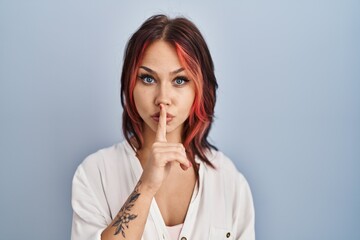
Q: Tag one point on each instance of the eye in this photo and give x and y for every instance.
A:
(181, 81)
(147, 79)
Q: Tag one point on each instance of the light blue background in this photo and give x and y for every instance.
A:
(288, 108)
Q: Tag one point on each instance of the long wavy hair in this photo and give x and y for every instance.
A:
(195, 57)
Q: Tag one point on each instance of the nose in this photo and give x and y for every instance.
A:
(163, 95)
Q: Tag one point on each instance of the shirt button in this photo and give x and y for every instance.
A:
(228, 235)
(183, 238)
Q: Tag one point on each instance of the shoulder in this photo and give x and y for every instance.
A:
(234, 183)
(103, 158)
(225, 167)
(221, 162)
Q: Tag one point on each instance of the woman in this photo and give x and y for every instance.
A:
(166, 181)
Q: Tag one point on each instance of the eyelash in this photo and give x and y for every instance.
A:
(144, 76)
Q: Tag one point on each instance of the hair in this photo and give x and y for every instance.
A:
(195, 57)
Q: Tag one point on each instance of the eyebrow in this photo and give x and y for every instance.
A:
(153, 72)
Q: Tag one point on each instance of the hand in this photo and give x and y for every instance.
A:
(162, 155)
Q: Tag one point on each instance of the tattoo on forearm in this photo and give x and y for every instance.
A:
(124, 216)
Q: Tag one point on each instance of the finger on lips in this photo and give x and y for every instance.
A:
(161, 130)
(162, 146)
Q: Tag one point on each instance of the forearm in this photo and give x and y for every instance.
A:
(130, 221)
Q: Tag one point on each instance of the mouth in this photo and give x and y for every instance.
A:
(156, 117)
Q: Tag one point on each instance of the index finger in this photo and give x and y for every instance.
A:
(161, 130)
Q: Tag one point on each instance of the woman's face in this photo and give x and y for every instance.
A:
(161, 79)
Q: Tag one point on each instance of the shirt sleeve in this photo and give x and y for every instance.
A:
(244, 217)
(88, 221)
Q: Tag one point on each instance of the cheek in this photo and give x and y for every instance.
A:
(137, 98)
(136, 95)
(141, 98)
(191, 97)
(187, 100)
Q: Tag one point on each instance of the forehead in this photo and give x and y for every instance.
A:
(161, 55)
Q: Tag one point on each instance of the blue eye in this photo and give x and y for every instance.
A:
(147, 79)
(181, 81)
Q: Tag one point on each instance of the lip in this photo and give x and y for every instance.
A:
(168, 115)
(156, 117)
(168, 119)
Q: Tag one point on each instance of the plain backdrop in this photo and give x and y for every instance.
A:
(288, 109)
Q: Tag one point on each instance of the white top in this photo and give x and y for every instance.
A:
(174, 231)
(221, 206)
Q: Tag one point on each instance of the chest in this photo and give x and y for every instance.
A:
(173, 200)
(210, 215)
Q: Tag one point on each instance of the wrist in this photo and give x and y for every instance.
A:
(146, 190)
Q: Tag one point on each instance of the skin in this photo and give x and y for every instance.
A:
(163, 152)
(163, 87)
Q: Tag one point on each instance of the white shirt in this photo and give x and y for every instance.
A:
(221, 206)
